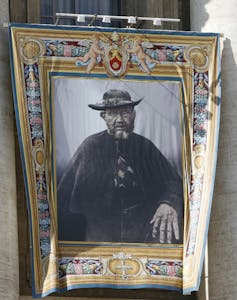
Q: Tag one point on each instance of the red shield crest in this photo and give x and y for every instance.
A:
(115, 59)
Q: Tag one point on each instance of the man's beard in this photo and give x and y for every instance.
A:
(121, 134)
(121, 131)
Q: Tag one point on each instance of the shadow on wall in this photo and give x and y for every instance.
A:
(198, 14)
(222, 234)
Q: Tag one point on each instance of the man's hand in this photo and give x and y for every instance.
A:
(166, 219)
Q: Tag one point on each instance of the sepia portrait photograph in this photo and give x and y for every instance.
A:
(118, 155)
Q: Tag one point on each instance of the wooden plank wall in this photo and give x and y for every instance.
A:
(159, 8)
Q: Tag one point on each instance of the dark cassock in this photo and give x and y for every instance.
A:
(112, 188)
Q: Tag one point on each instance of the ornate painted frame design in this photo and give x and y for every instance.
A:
(38, 54)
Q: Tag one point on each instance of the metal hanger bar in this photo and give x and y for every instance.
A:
(68, 15)
(6, 24)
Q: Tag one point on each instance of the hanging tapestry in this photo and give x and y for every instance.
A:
(118, 132)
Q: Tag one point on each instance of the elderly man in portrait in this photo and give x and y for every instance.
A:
(118, 187)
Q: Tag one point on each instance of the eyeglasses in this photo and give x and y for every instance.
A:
(123, 113)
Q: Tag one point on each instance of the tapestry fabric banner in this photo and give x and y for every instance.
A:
(118, 132)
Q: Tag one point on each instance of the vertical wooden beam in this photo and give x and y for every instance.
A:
(184, 14)
(33, 11)
(159, 8)
(24, 11)
(149, 8)
(18, 11)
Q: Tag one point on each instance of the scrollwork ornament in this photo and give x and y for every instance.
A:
(124, 266)
(38, 155)
(31, 49)
(198, 56)
(199, 156)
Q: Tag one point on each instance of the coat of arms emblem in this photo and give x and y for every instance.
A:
(115, 56)
(114, 52)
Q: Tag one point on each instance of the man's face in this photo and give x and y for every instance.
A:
(120, 121)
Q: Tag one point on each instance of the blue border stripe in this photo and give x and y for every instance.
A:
(218, 96)
(51, 133)
(112, 29)
(127, 77)
(18, 126)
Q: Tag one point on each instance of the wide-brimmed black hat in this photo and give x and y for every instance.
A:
(115, 99)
